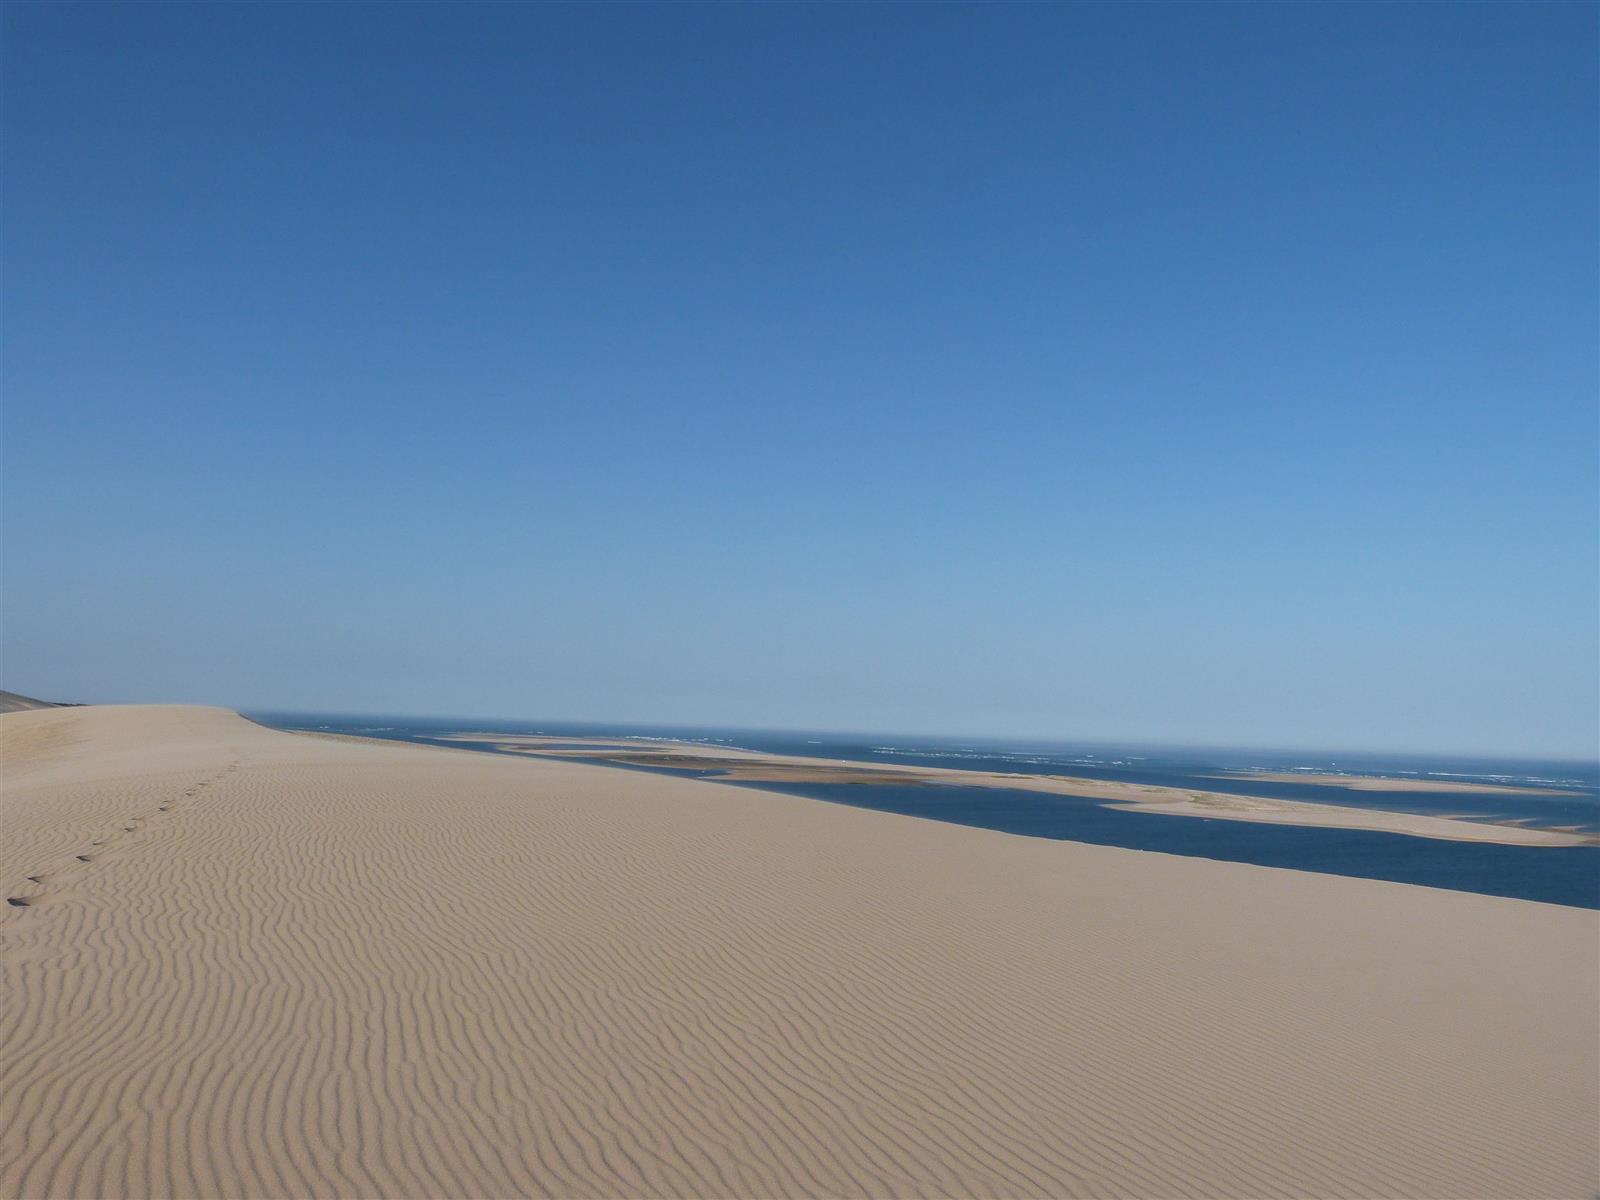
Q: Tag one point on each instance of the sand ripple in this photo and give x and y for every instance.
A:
(250, 963)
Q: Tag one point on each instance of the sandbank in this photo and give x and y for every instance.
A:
(751, 766)
(1395, 783)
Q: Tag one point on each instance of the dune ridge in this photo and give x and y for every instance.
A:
(12, 702)
(259, 964)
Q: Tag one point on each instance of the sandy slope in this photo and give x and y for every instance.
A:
(11, 702)
(296, 966)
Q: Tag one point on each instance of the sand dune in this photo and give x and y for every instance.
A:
(249, 963)
(11, 702)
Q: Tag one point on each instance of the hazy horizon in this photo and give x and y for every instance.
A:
(1195, 375)
(1013, 739)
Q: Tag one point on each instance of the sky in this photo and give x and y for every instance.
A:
(1183, 373)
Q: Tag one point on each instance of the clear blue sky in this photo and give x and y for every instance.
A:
(1187, 373)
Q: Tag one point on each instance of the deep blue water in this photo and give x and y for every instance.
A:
(1555, 874)
(1558, 875)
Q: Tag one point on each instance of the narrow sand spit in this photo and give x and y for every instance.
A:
(252, 963)
(758, 766)
(1390, 783)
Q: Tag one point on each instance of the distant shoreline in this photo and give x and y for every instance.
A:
(757, 767)
(1392, 783)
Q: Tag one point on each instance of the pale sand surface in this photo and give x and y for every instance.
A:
(1396, 783)
(297, 966)
(760, 767)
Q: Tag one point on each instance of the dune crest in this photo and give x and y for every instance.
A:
(252, 963)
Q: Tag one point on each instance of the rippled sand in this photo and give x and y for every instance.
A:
(243, 962)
